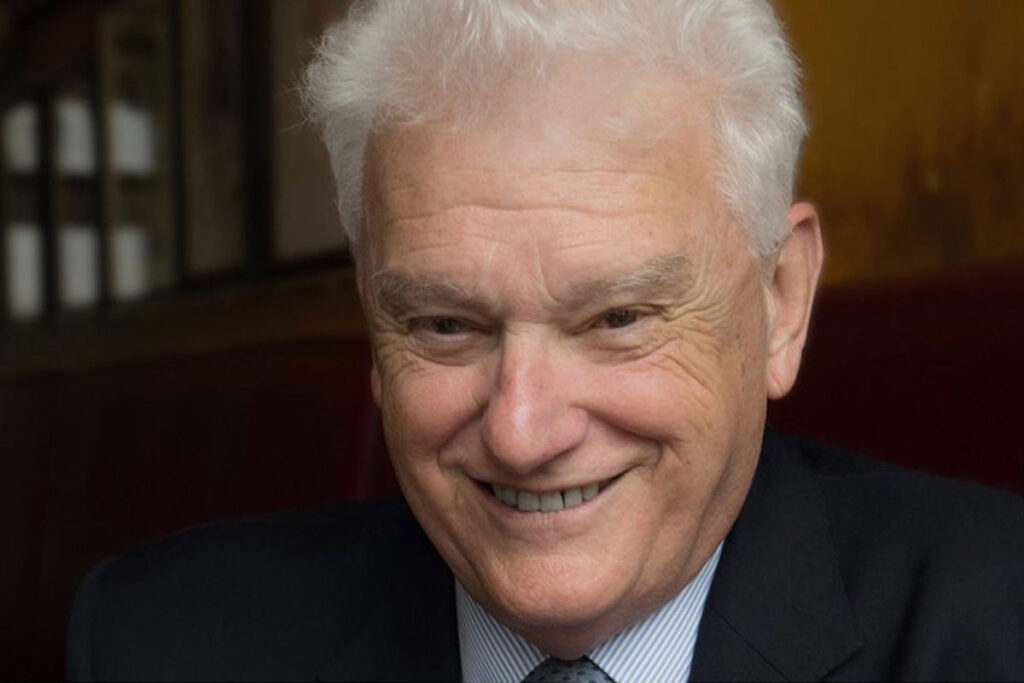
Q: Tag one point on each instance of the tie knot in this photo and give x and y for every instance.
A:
(553, 670)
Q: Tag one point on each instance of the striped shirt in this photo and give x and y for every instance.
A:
(656, 649)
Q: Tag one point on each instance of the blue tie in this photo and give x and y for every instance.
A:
(581, 670)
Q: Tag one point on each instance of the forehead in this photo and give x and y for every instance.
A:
(551, 176)
(591, 115)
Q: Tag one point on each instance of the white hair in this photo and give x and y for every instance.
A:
(408, 62)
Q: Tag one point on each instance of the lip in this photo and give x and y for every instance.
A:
(539, 526)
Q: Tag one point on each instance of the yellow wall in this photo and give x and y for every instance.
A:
(916, 152)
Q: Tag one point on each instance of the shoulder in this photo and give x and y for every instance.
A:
(929, 563)
(256, 595)
(337, 533)
(927, 516)
(235, 558)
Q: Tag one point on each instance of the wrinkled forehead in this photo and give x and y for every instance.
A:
(591, 121)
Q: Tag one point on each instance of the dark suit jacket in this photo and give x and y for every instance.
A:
(838, 568)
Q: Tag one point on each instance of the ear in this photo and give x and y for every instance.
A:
(791, 288)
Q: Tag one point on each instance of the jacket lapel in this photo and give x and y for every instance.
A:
(777, 609)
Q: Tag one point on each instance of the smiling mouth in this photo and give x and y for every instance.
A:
(548, 501)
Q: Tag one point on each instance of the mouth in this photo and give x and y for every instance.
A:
(549, 501)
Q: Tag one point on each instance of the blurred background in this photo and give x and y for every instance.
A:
(180, 338)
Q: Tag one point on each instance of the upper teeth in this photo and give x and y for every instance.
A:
(549, 501)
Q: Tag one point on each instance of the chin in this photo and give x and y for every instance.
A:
(559, 593)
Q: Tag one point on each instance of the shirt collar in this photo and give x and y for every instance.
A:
(657, 648)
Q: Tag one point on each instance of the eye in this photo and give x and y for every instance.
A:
(448, 340)
(444, 327)
(623, 317)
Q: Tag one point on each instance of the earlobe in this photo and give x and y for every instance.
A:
(793, 284)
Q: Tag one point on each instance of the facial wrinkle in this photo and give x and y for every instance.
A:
(597, 191)
(397, 293)
(658, 277)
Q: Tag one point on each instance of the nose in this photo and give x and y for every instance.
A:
(530, 417)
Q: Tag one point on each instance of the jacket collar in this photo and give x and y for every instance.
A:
(777, 609)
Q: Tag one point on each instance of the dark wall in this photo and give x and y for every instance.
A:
(97, 461)
(928, 373)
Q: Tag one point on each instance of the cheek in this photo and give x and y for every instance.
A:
(676, 392)
(424, 405)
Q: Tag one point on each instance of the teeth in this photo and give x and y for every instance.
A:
(509, 495)
(529, 502)
(549, 501)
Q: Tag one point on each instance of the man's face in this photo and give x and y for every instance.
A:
(558, 316)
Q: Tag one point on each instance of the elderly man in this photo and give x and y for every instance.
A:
(583, 279)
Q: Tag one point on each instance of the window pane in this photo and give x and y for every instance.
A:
(136, 67)
(21, 141)
(78, 253)
(24, 270)
(23, 234)
(76, 195)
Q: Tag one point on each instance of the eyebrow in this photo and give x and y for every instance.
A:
(397, 293)
(668, 273)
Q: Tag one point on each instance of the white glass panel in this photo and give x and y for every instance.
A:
(130, 248)
(76, 146)
(136, 66)
(21, 124)
(132, 139)
(24, 270)
(79, 265)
